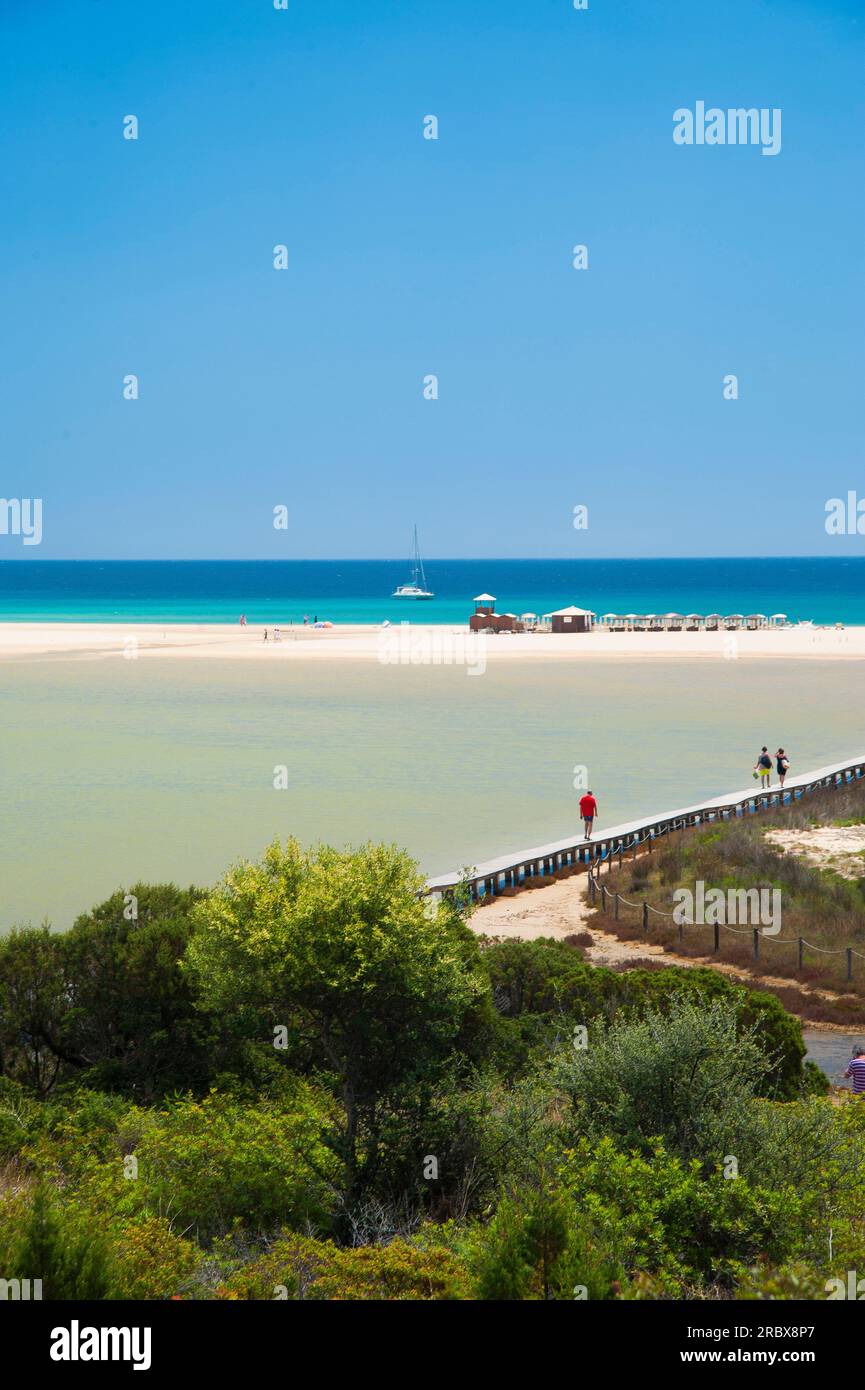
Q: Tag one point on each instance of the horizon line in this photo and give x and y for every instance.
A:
(388, 559)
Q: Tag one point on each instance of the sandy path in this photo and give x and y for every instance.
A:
(562, 909)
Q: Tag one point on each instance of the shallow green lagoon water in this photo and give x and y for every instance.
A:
(160, 769)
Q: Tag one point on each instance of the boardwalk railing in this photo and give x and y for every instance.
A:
(512, 871)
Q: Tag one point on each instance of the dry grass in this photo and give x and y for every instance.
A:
(819, 905)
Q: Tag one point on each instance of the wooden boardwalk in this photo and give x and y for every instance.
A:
(513, 870)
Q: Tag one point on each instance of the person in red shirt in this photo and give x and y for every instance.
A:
(588, 811)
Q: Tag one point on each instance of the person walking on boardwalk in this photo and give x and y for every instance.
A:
(588, 811)
(763, 768)
(782, 764)
(856, 1071)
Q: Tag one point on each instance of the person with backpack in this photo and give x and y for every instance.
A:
(782, 764)
(763, 768)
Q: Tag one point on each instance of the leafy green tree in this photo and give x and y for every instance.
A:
(132, 1024)
(339, 949)
(34, 1006)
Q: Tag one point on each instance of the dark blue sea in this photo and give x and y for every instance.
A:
(358, 591)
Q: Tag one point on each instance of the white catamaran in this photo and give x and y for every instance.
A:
(414, 589)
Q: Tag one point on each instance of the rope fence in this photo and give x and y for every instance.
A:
(598, 889)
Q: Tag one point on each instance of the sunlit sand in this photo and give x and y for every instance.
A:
(417, 643)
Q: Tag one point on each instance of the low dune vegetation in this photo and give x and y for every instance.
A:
(311, 1083)
(818, 900)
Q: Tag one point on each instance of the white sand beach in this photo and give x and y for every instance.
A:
(419, 644)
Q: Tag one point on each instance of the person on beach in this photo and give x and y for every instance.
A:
(243, 620)
(763, 768)
(588, 811)
(782, 763)
(265, 634)
(276, 634)
(856, 1071)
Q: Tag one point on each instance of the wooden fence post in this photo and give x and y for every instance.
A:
(801, 943)
(645, 917)
(756, 943)
(849, 962)
(717, 937)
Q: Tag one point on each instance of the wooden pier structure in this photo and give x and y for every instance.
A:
(514, 871)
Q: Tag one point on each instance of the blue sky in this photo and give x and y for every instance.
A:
(408, 256)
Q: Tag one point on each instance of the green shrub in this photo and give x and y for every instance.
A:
(209, 1164)
(72, 1260)
(297, 1267)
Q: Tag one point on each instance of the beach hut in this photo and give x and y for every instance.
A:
(673, 621)
(571, 619)
(755, 620)
(529, 620)
(693, 622)
(778, 620)
(486, 619)
(653, 622)
(610, 620)
(508, 622)
(733, 621)
(712, 621)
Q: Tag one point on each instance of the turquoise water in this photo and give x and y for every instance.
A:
(824, 590)
(161, 769)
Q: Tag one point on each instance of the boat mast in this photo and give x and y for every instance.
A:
(418, 563)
